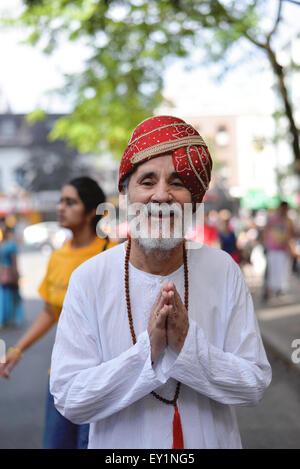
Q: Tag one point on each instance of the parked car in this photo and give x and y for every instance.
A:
(46, 235)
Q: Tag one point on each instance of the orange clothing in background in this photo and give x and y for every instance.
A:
(60, 267)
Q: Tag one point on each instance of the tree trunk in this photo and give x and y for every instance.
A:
(279, 73)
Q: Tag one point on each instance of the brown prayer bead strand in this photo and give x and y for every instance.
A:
(127, 292)
(186, 278)
(168, 401)
(186, 300)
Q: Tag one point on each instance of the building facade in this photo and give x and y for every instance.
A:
(33, 169)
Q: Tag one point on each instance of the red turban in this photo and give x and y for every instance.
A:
(170, 135)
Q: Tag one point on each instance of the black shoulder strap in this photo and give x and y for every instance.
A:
(106, 244)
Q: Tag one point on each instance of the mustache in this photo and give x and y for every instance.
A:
(164, 210)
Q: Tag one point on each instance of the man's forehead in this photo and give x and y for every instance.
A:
(156, 165)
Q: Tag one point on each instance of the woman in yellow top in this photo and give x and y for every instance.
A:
(77, 212)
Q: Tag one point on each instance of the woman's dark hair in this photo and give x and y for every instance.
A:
(90, 194)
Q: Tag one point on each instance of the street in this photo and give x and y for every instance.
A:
(274, 423)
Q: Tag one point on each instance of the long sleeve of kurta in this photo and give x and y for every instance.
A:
(237, 374)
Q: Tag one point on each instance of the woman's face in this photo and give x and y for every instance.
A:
(71, 210)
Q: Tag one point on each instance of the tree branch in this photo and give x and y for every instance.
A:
(295, 2)
(255, 41)
(277, 21)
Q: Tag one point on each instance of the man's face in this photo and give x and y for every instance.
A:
(156, 185)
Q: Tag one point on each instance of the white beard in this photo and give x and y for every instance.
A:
(163, 245)
(160, 246)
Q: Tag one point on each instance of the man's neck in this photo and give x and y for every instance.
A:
(155, 261)
(83, 237)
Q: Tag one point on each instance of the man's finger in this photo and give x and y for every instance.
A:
(162, 315)
(177, 299)
(163, 300)
(157, 299)
(168, 286)
(171, 295)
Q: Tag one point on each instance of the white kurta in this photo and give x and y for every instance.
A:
(98, 376)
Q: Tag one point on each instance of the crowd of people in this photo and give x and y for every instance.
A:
(127, 353)
(268, 239)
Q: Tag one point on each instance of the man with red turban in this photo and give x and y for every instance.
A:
(156, 342)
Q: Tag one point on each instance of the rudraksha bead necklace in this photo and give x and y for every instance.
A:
(186, 303)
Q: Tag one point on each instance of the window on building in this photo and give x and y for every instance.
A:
(19, 176)
(222, 136)
(8, 128)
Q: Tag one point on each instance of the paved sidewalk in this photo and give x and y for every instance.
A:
(279, 318)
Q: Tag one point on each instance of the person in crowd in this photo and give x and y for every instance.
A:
(11, 304)
(77, 212)
(278, 238)
(158, 340)
(227, 236)
(206, 233)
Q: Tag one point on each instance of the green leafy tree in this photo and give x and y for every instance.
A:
(131, 43)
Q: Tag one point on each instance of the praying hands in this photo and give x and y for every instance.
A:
(168, 324)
